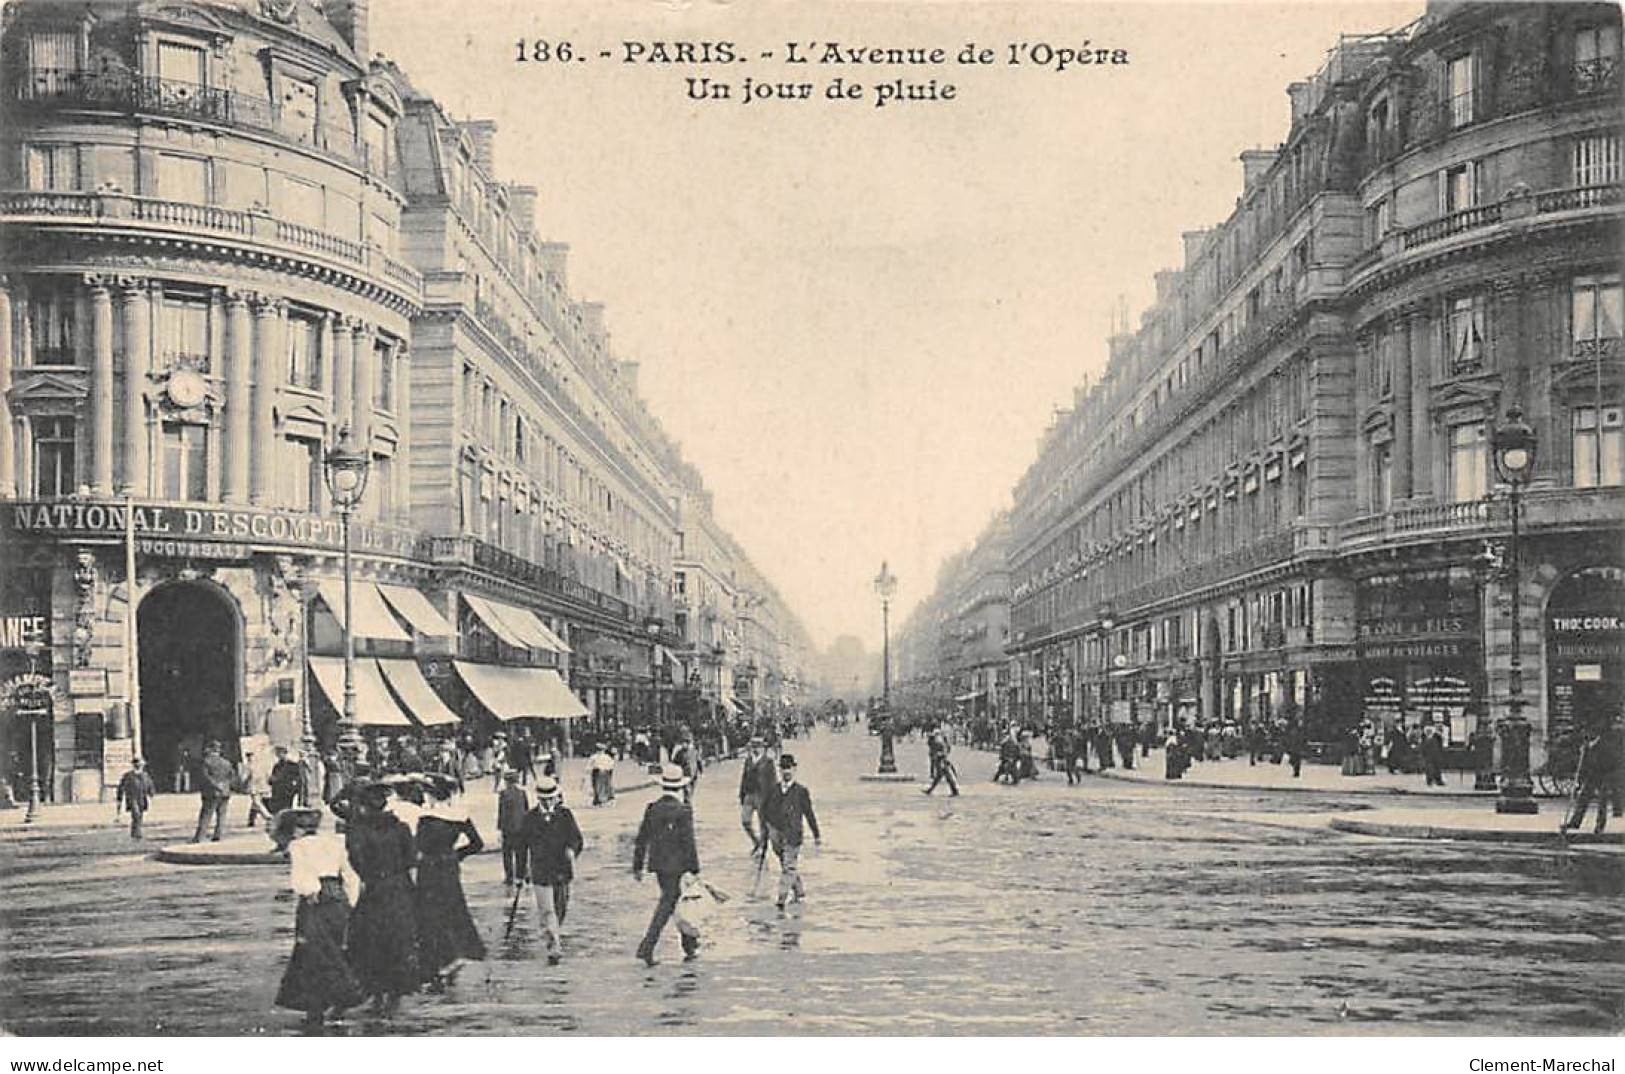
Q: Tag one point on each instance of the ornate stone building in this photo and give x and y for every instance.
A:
(1280, 494)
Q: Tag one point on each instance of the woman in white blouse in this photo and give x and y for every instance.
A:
(318, 978)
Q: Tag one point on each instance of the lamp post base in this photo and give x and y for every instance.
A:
(888, 759)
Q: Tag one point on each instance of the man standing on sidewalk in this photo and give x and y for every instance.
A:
(512, 807)
(602, 767)
(135, 793)
(666, 842)
(936, 744)
(791, 805)
(215, 792)
(550, 842)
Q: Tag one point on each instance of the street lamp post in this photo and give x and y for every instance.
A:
(886, 586)
(345, 468)
(1514, 449)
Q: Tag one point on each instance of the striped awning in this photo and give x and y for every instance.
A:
(415, 608)
(372, 617)
(374, 705)
(511, 693)
(415, 693)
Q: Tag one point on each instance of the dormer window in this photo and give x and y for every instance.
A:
(1459, 83)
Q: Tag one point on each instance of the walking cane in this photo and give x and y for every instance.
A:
(513, 909)
(761, 864)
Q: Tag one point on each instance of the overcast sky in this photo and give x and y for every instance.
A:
(857, 321)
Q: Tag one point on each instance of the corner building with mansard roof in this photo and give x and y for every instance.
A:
(1280, 495)
(226, 234)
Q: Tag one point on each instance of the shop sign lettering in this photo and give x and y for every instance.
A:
(83, 518)
(1586, 624)
(25, 631)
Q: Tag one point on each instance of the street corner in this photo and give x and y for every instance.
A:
(1475, 825)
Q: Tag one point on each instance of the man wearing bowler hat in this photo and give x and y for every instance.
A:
(790, 807)
(666, 842)
(757, 779)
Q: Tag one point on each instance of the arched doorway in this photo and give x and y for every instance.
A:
(188, 641)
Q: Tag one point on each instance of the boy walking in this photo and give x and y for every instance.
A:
(135, 793)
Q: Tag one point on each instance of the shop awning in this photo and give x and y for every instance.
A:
(972, 696)
(516, 693)
(494, 621)
(415, 608)
(372, 616)
(374, 707)
(523, 622)
(414, 692)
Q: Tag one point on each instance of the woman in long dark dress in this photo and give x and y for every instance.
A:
(383, 938)
(447, 936)
(318, 979)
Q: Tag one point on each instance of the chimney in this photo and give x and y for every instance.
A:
(1301, 95)
(555, 258)
(482, 133)
(522, 201)
(1254, 163)
(1193, 244)
(629, 373)
(350, 18)
(1168, 279)
(592, 317)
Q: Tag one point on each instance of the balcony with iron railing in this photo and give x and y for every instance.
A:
(124, 91)
(261, 228)
(475, 553)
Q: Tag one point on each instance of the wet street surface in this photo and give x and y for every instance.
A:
(1111, 908)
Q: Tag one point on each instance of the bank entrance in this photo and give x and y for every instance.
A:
(188, 638)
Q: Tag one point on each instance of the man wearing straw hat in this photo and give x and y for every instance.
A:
(666, 842)
(550, 842)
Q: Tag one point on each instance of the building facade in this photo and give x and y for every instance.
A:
(1280, 495)
(230, 241)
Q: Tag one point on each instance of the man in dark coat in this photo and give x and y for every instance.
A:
(520, 758)
(666, 843)
(551, 841)
(936, 744)
(790, 808)
(512, 808)
(1595, 779)
(215, 787)
(756, 781)
(135, 793)
(1432, 757)
(286, 781)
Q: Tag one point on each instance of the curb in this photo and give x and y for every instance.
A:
(890, 777)
(1378, 792)
(1481, 835)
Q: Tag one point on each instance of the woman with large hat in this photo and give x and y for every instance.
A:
(318, 979)
(447, 936)
(383, 938)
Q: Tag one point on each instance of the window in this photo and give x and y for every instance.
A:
(1459, 90)
(375, 135)
(53, 167)
(184, 462)
(299, 471)
(304, 351)
(383, 395)
(1465, 324)
(1597, 305)
(381, 488)
(184, 334)
(1599, 448)
(1596, 58)
(52, 324)
(1382, 366)
(183, 64)
(54, 473)
(1458, 188)
(54, 61)
(1382, 478)
(1596, 160)
(1469, 462)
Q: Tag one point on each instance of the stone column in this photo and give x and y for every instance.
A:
(403, 425)
(135, 301)
(1423, 363)
(8, 464)
(101, 386)
(1403, 454)
(238, 408)
(362, 388)
(270, 352)
(343, 374)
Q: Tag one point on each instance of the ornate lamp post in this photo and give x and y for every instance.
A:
(1514, 448)
(345, 468)
(886, 586)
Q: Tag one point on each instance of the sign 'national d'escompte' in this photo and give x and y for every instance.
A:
(91, 519)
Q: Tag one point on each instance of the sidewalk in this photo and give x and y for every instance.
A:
(1480, 823)
(1237, 774)
(171, 810)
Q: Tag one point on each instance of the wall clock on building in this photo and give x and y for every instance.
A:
(186, 389)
